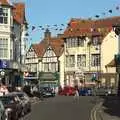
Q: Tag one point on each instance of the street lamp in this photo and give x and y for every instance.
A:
(116, 29)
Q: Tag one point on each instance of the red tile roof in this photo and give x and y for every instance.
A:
(4, 2)
(84, 27)
(55, 43)
(19, 12)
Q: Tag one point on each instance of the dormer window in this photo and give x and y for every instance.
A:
(95, 40)
(3, 16)
(81, 41)
(75, 42)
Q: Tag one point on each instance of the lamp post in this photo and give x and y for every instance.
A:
(117, 60)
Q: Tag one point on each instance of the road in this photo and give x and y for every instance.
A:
(62, 108)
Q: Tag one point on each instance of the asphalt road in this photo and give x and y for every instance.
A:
(62, 108)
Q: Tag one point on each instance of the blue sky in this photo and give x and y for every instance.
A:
(51, 12)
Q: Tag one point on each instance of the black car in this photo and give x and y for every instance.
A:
(12, 106)
(25, 101)
(47, 92)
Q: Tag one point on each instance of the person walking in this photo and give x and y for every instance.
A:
(76, 96)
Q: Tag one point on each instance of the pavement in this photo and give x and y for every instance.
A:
(109, 109)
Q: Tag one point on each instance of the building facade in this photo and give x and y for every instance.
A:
(43, 60)
(9, 32)
(89, 45)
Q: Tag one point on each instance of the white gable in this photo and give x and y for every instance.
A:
(31, 53)
(49, 52)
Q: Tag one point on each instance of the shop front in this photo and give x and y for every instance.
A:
(10, 74)
(49, 79)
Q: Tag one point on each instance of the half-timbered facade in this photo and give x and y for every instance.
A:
(42, 59)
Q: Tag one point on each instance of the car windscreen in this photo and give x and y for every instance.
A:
(7, 99)
(21, 96)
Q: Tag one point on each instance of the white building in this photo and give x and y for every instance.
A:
(12, 30)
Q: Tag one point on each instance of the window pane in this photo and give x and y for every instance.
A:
(81, 60)
(5, 20)
(70, 61)
(3, 47)
(95, 60)
(1, 19)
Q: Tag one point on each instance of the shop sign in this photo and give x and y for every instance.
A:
(4, 64)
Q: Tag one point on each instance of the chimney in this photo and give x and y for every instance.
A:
(47, 34)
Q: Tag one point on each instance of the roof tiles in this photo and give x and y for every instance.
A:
(4, 2)
(19, 12)
(84, 27)
(55, 43)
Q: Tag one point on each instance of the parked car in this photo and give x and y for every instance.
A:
(67, 91)
(2, 111)
(85, 91)
(12, 106)
(47, 92)
(102, 91)
(25, 101)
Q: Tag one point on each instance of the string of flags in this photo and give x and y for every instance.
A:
(60, 27)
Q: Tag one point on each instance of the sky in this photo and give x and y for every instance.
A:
(52, 12)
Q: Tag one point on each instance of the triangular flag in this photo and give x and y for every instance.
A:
(60, 29)
(110, 11)
(55, 25)
(62, 24)
(97, 16)
(33, 27)
(117, 8)
(26, 34)
(40, 26)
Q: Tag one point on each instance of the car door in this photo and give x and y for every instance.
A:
(2, 111)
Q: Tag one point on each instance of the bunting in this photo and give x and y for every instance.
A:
(61, 27)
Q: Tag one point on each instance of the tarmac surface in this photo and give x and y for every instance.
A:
(62, 108)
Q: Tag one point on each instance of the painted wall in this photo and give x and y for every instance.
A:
(109, 48)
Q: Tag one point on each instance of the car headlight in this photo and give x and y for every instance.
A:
(8, 110)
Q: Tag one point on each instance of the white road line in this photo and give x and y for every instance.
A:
(94, 111)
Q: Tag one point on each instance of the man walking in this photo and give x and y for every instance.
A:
(76, 96)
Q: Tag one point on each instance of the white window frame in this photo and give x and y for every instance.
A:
(3, 47)
(95, 60)
(81, 60)
(4, 16)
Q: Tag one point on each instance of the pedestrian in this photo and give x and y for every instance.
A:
(76, 95)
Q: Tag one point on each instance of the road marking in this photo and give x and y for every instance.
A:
(94, 111)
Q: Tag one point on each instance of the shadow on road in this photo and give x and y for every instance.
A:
(111, 105)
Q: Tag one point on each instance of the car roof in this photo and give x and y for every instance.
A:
(8, 95)
(17, 93)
